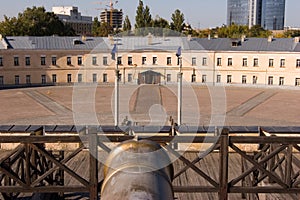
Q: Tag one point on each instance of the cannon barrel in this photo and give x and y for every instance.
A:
(137, 170)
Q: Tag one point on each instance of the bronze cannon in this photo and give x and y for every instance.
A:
(137, 170)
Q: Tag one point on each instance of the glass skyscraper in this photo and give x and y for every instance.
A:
(237, 12)
(267, 13)
(273, 12)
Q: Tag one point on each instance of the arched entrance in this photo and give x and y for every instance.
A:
(149, 77)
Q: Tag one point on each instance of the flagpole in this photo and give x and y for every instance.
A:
(179, 96)
(116, 120)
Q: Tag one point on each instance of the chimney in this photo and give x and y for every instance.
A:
(111, 39)
(296, 39)
(189, 37)
(243, 38)
(83, 38)
(270, 38)
(208, 37)
(149, 39)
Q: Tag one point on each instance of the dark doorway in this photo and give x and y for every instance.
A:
(149, 77)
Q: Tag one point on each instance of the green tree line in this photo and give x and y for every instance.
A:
(34, 21)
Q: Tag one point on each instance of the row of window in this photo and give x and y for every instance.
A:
(130, 79)
(254, 80)
(144, 61)
(282, 62)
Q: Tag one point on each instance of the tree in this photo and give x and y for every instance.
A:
(139, 18)
(160, 22)
(102, 29)
(258, 31)
(177, 23)
(127, 24)
(34, 21)
(143, 19)
(95, 26)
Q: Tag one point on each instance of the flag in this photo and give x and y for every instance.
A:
(178, 53)
(113, 52)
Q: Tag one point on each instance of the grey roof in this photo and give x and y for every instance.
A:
(157, 43)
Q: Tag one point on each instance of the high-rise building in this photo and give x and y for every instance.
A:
(273, 12)
(113, 17)
(82, 25)
(267, 13)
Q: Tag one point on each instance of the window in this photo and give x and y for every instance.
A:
(79, 60)
(229, 77)
(297, 82)
(193, 78)
(219, 61)
(271, 62)
(119, 60)
(69, 78)
(178, 61)
(218, 78)
(53, 60)
(104, 78)
(168, 77)
(244, 79)
(129, 76)
(282, 62)
(204, 61)
(154, 60)
(28, 81)
(1, 80)
(27, 60)
(144, 60)
(203, 78)
(194, 61)
(95, 78)
(245, 62)
(79, 78)
(69, 62)
(254, 79)
(94, 60)
(17, 79)
(270, 80)
(43, 60)
(43, 79)
(169, 61)
(1, 61)
(16, 61)
(298, 63)
(129, 60)
(281, 80)
(229, 62)
(255, 62)
(104, 61)
(53, 78)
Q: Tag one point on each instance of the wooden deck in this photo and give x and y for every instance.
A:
(209, 165)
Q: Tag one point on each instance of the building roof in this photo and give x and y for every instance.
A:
(152, 43)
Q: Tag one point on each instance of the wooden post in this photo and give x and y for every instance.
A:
(288, 166)
(223, 171)
(93, 147)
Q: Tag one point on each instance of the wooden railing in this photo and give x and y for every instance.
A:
(274, 166)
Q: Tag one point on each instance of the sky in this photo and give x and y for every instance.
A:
(199, 13)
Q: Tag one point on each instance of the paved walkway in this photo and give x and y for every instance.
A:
(51, 105)
(147, 96)
(250, 104)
